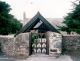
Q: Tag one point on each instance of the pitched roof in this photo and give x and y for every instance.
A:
(53, 21)
(33, 20)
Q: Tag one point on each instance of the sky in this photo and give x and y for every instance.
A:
(48, 8)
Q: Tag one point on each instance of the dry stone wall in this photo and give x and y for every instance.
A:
(55, 42)
(71, 43)
(22, 45)
(7, 45)
(17, 47)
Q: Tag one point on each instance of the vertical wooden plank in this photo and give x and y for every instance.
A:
(36, 41)
(30, 46)
(41, 41)
(36, 44)
(47, 43)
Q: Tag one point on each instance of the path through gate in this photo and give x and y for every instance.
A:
(39, 43)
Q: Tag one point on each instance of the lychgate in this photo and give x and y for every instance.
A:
(44, 38)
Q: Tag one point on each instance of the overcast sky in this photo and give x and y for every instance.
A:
(48, 8)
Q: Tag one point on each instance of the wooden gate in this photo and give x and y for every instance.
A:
(39, 43)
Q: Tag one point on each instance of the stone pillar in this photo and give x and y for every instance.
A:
(55, 42)
(22, 45)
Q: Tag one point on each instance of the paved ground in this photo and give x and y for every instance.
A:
(48, 58)
(43, 58)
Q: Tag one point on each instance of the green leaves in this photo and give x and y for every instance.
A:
(72, 21)
(8, 24)
(4, 7)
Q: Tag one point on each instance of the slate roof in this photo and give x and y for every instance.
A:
(48, 21)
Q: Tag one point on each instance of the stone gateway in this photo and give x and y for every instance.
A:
(38, 36)
(44, 38)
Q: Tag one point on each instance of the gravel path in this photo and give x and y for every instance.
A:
(40, 58)
(47, 58)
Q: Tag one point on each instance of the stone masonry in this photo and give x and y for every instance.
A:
(17, 47)
(55, 43)
(22, 45)
(71, 43)
(7, 45)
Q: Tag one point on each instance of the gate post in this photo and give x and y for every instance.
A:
(22, 45)
(54, 41)
(47, 43)
(30, 43)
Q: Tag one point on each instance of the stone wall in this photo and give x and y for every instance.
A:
(7, 45)
(71, 43)
(17, 47)
(22, 45)
(55, 42)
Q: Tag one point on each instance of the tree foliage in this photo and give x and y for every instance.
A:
(72, 20)
(8, 24)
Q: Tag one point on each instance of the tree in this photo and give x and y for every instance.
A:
(8, 24)
(72, 20)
